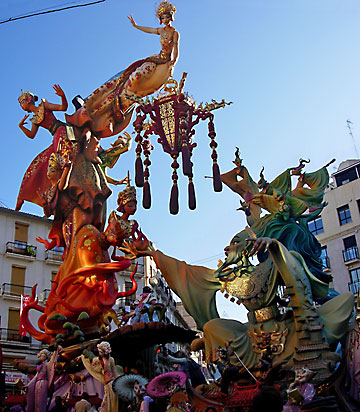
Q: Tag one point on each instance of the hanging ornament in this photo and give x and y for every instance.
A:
(172, 118)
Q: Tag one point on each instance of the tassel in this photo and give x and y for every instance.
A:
(139, 172)
(191, 193)
(186, 162)
(216, 178)
(146, 195)
(174, 200)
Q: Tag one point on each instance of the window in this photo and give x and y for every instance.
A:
(316, 226)
(325, 258)
(346, 176)
(355, 280)
(14, 319)
(13, 326)
(21, 232)
(17, 280)
(355, 275)
(344, 214)
(351, 251)
(53, 274)
(349, 242)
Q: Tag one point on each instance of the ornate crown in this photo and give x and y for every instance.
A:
(126, 195)
(165, 7)
(56, 161)
(25, 95)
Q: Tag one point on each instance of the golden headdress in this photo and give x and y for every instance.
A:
(56, 161)
(165, 7)
(126, 195)
(25, 95)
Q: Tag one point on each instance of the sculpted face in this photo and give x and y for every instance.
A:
(43, 357)
(91, 148)
(139, 389)
(130, 207)
(165, 18)
(25, 104)
(237, 261)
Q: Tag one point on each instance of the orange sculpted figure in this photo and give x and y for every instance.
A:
(107, 111)
(122, 228)
(86, 280)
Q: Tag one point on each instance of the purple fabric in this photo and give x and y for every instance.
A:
(37, 390)
(65, 386)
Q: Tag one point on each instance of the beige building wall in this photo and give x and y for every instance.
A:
(334, 233)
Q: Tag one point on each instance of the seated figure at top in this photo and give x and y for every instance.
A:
(107, 111)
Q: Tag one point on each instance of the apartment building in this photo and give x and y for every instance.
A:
(23, 263)
(337, 229)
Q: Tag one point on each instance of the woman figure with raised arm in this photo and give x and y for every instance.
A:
(35, 181)
(107, 111)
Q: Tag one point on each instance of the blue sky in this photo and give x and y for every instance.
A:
(291, 69)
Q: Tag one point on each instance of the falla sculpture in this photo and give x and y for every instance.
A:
(69, 181)
(298, 330)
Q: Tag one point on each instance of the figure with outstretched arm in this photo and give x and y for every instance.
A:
(27, 102)
(256, 287)
(108, 110)
(35, 182)
(169, 36)
(121, 227)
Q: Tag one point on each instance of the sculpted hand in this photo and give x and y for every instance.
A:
(58, 90)
(44, 242)
(139, 247)
(22, 121)
(132, 20)
(121, 182)
(259, 243)
(122, 140)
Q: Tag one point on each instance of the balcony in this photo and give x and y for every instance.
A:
(12, 336)
(53, 256)
(44, 295)
(21, 249)
(354, 287)
(351, 255)
(14, 291)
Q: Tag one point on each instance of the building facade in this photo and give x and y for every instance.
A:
(337, 229)
(23, 263)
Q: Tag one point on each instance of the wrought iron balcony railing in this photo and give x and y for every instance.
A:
(44, 295)
(12, 335)
(351, 253)
(54, 254)
(12, 289)
(21, 248)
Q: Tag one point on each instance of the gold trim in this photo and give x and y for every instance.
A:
(264, 314)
